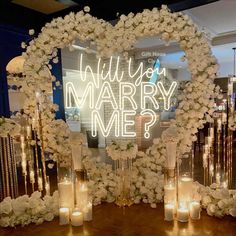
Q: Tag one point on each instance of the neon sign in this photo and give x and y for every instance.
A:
(120, 117)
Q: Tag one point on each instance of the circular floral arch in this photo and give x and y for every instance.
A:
(196, 102)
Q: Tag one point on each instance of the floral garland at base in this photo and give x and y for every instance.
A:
(34, 209)
(25, 210)
(218, 202)
(196, 103)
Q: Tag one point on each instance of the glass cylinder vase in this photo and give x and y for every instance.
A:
(81, 189)
(185, 186)
(169, 194)
(170, 188)
(65, 187)
(123, 168)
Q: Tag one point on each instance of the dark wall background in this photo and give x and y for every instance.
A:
(10, 47)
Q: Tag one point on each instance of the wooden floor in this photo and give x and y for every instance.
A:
(138, 220)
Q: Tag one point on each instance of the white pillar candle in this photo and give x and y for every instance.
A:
(28, 131)
(206, 148)
(22, 138)
(224, 118)
(170, 193)
(219, 124)
(33, 123)
(66, 194)
(22, 145)
(47, 187)
(218, 178)
(23, 155)
(205, 158)
(185, 188)
(195, 210)
(32, 177)
(211, 132)
(77, 218)
(24, 167)
(38, 95)
(224, 184)
(169, 211)
(40, 184)
(211, 169)
(182, 214)
(23, 163)
(88, 212)
(64, 216)
(209, 140)
(171, 154)
(81, 195)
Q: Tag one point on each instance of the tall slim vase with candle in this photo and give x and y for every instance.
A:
(123, 153)
(185, 187)
(77, 140)
(170, 193)
(65, 187)
(24, 160)
(39, 98)
(38, 172)
(81, 189)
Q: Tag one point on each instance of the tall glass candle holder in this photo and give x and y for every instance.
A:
(65, 187)
(170, 194)
(123, 172)
(185, 180)
(81, 189)
(88, 210)
(185, 186)
(195, 209)
(183, 212)
(170, 190)
(170, 186)
(123, 153)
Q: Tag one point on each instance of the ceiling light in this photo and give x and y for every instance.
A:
(68, 3)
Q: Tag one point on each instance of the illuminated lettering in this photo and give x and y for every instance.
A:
(125, 104)
(106, 95)
(148, 95)
(150, 123)
(167, 95)
(71, 93)
(97, 121)
(127, 123)
(127, 95)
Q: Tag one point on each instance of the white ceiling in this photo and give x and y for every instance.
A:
(218, 20)
(218, 17)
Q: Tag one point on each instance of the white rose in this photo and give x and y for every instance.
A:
(211, 209)
(232, 212)
(5, 206)
(49, 217)
(20, 205)
(4, 221)
(206, 200)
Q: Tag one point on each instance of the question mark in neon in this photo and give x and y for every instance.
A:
(150, 123)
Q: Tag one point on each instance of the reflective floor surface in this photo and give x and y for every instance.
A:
(137, 220)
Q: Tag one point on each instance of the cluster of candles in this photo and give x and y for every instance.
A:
(217, 154)
(179, 201)
(30, 162)
(181, 206)
(75, 206)
(208, 157)
(34, 165)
